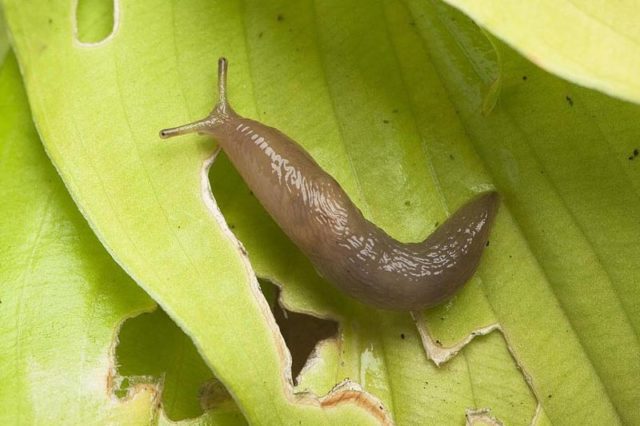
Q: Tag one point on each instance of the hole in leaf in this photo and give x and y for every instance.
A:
(153, 349)
(94, 20)
(251, 223)
(301, 332)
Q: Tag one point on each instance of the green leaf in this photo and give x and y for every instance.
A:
(145, 200)
(4, 41)
(389, 99)
(62, 298)
(77, 289)
(533, 283)
(593, 44)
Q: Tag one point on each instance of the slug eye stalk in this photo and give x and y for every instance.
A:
(220, 112)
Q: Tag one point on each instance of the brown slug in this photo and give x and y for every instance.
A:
(346, 249)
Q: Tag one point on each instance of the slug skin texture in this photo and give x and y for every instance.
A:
(317, 215)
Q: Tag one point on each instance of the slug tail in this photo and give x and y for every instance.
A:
(475, 218)
(467, 230)
(461, 240)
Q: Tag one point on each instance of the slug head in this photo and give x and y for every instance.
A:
(220, 114)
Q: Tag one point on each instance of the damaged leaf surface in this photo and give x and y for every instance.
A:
(62, 297)
(398, 116)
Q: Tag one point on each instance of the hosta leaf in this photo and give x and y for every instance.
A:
(62, 297)
(150, 211)
(4, 40)
(450, 75)
(407, 105)
(594, 43)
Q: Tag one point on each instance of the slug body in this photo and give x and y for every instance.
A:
(318, 216)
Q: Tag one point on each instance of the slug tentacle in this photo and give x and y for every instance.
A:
(221, 111)
(199, 126)
(347, 249)
(222, 84)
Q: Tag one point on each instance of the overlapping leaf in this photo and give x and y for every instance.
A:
(62, 296)
(596, 44)
(399, 116)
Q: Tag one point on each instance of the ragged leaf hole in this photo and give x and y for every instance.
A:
(153, 349)
(301, 332)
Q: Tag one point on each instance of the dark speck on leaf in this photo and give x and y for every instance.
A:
(251, 192)
(385, 121)
(280, 17)
(50, 21)
(402, 335)
(395, 110)
(407, 203)
(441, 318)
(260, 34)
(550, 395)
(524, 78)
(438, 341)
(232, 226)
(569, 100)
(412, 23)
(451, 156)
(437, 223)
(487, 245)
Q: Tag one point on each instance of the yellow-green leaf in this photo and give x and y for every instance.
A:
(399, 101)
(595, 44)
(62, 298)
